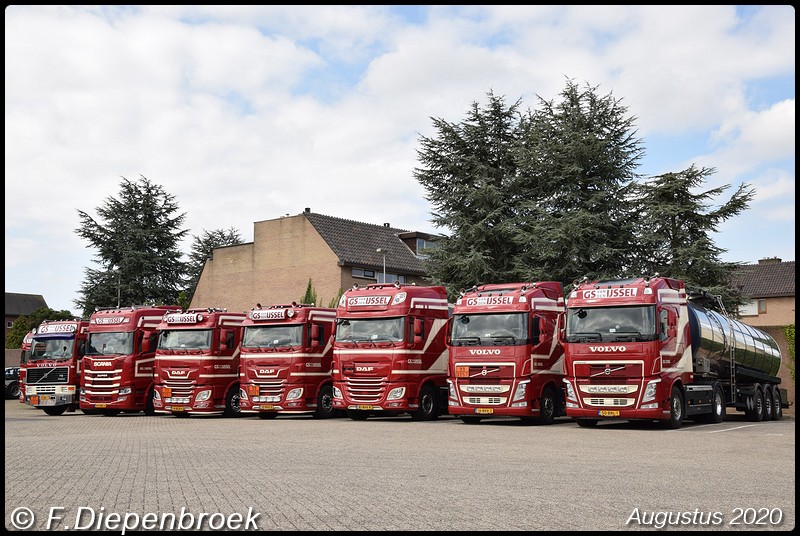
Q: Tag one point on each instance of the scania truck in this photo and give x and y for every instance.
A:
(505, 355)
(118, 365)
(646, 349)
(53, 370)
(197, 363)
(389, 351)
(287, 355)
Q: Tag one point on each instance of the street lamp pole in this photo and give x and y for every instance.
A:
(383, 252)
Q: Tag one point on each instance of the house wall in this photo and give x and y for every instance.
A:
(780, 312)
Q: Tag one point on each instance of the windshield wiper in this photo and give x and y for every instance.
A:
(627, 336)
(585, 336)
(504, 338)
(467, 341)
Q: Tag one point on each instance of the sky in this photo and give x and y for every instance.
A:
(246, 114)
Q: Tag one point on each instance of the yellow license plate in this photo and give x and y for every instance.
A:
(178, 408)
(44, 398)
(267, 407)
(363, 406)
(484, 410)
(100, 405)
(608, 413)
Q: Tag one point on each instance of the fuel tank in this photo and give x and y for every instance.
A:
(713, 335)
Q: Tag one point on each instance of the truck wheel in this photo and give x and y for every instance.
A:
(756, 410)
(777, 410)
(428, 405)
(469, 419)
(586, 423)
(768, 403)
(675, 409)
(232, 408)
(547, 406)
(12, 391)
(717, 414)
(149, 409)
(325, 403)
(357, 415)
(55, 410)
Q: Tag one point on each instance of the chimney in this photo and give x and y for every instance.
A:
(308, 210)
(769, 260)
(386, 225)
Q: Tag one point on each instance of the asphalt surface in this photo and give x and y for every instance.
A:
(294, 473)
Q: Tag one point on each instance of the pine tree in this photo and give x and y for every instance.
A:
(136, 237)
(310, 297)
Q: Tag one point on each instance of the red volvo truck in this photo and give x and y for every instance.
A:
(505, 356)
(119, 361)
(23, 363)
(389, 351)
(197, 363)
(286, 361)
(644, 348)
(53, 371)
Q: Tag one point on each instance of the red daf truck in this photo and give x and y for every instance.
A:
(286, 361)
(197, 363)
(53, 371)
(505, 356)
(23, 363)
(389, 351)
(118, 365)
(644, 348)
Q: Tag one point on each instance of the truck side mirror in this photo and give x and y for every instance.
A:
(147, 344)
(672, 320)
(316, 336)
(225, 339)
(536, 328)
(419, 329)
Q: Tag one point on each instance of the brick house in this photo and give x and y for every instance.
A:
(770, 286)
(335, 253)
(21, 304)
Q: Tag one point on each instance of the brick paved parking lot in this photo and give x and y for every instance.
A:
(297, 473)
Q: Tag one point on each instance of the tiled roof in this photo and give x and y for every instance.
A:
(355, 243)
(23, 304)
(771, 279)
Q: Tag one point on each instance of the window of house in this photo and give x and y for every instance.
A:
(762, 306)
(360, 272)
(748, 309)
(9, 324)
(391, 278)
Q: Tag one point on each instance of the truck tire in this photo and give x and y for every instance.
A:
(586, 423)
(325, 403)
(755, 410)
(55, 410)
(12, 391)
(428, 405)
(469, 419)
(357, 415)
(548, 406)
(232, 408)
(717, 414)
(777, 410)
(676, 412)
(149, 408)
(768, 402)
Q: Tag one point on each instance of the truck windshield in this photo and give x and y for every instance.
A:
(595, 324)
(58, 349)
(493, 329)
(182, 339)
(113, 343)
(370, 329)
(273, 336)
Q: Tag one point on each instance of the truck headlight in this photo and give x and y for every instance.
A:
(396, 393)
(125, 391)
(570, 391)
(337, 393)
(451, 390)
(650, 390)
(295, 394)
(203, 395)
(519, 394)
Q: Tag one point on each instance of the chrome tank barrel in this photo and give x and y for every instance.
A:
(713, 334)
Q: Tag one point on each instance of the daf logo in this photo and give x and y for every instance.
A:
(178, 372)
(266, 371)
(607, 348)
(365, 369)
